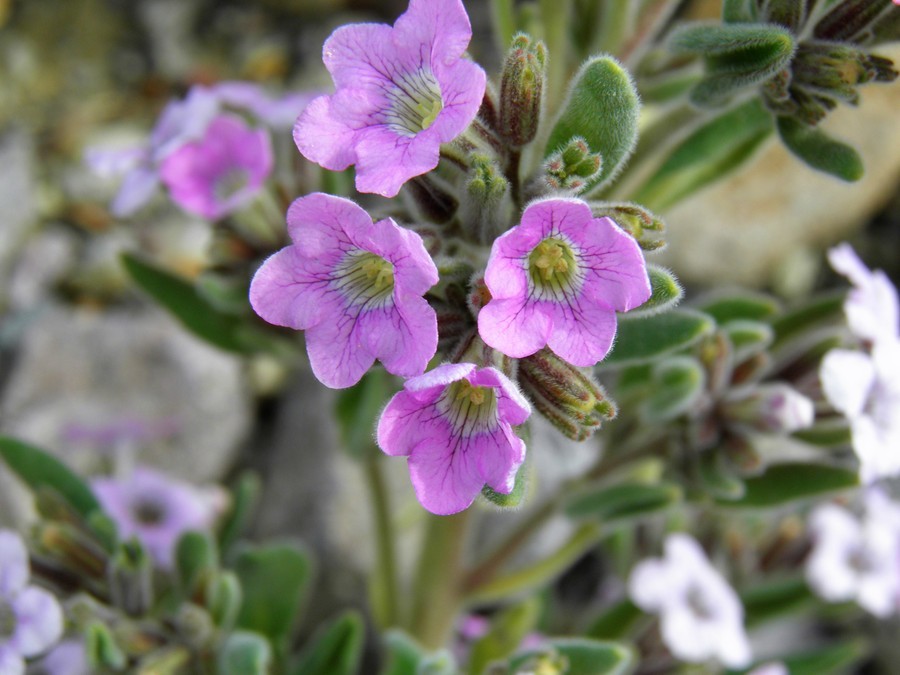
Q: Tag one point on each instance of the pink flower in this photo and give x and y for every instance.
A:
(701, 616)
(220, 172)
(455, 425)
(179, 123)
(157, 509)
(277, 112)
(356, 289)
(557, 279)
(31, 619)
(400, 93)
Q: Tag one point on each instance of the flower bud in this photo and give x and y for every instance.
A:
(486, 186)
(644, 226)
(194, 625)
(72, 548)
(521, 85)
(567, 396)
(570, 168)
(103, 653)
(131, 579)
(771, 408)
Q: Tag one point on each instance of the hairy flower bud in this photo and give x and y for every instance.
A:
(644, 226)
(131, 579)
(521, 86)
(70, 547)
(567, 396)
(432, 197)
(481, 212)
(772, 408)
(570, 168)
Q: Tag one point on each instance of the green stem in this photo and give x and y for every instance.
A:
(504, 18)
(437, 592)
(384, 588)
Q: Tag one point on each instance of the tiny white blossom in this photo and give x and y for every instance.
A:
(701, 617)
(872, 307)
(775, 668)
(866, 389)
(857, 560)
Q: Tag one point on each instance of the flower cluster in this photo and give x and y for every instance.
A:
(364, 291)
(864, 385)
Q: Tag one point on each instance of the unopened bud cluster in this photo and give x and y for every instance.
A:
(521, 87)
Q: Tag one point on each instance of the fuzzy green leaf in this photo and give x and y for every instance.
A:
(665, 292)
(774, 599)
(748, 337)
(715, 149)
(615, 622)
(585, 657)
(631, 500)
(245, 653)
(645, 339)
(719, 481)
(195, 558)
(813, 313)
(336, 649)
(783, 483)
(274, 580)
(743, 305)
(507, 630)
(39, 469)
(819, 150)
(244, 497)
(602, 107)
(677, 384)
(739, 11)
(826, 434)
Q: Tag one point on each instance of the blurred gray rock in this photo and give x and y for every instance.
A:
(743, 228)
(17, 198)
(84, 380)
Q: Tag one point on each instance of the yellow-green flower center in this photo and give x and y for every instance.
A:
(365, 277)
(415, 102)
(470, 408)
(552, 265)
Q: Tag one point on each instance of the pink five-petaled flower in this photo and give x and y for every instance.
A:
(557, 279)
(220, 172)
(455, 425)
(157, 509)
(356, 289)
(701, 616)
(399, 93)
(31, 619)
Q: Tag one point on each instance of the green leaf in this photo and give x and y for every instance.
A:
(39, 469)
(274, 579)
(102, 650)
(736, 55)
(830, 659)
(774, 599)
(192, 309)
(783, 483)
(739, 11)
(827, 434)
(357, 408)
(665, 292)
(336, 649)
(677, 384)
(245, 653)
(602, 107)
(743, 305)
(643, 339)
(586, 657)
(815, 312)
(507, 631)
(715, 149)
(717, 478)
(748, 337)
(195, 558)
(244, 497)
(629, 500)
(819, 150)
(616, 622)
(403, 654)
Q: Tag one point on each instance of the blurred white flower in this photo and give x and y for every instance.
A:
(701, 616)
(857, 559)
(872, 307)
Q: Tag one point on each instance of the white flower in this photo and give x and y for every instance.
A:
(701, 616)
(774, 668)
(857, 560)
(872, 307)
(866, 389)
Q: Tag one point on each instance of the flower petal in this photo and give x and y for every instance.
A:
(440, 25)
(446, 475)
(322, 137)
(386, 160)
(582, 334)
(616, 274)
(138, 188)
(403, 336)
(847, 379)
(515, 327)
(39, 621)
(14, 568)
